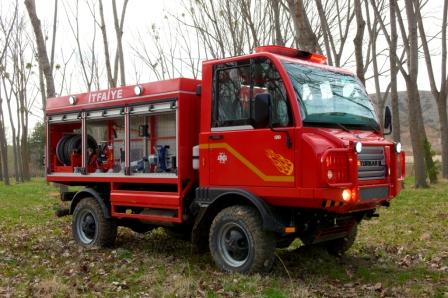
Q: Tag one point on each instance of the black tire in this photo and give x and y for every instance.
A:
(89, 226)
(339, 246)
(238, 243)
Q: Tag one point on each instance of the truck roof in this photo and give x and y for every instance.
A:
(282, 53)
(125, 95)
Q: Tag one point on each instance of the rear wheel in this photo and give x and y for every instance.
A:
(341, 245)
(238, 242)
(90, 228)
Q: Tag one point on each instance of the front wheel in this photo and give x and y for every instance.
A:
(238, 242)
(90, 228)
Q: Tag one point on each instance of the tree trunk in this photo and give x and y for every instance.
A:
(1, 170)
(305, 37)
(417, 140)
(13, 134)
(110, 79)
(416, 127)
(3, 149)
(119, 33)
(325, 31)
(277, 24)
(44, 63)
(53, 40)
(443, 119)
(396, 134)
(358, 41)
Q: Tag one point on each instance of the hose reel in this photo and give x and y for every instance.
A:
(70, 143)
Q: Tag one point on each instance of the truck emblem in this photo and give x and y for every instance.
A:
(370, 163)
(283, 165)
(277, 137)
(222, 158)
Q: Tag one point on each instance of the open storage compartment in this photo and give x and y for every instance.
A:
(153, 139)
(140, 140)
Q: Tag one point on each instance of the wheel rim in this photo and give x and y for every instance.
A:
(234, 244)
(86, 226)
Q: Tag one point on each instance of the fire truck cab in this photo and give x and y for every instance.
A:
(266, 148)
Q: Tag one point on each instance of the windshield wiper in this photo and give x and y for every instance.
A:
(342, 126)
(356, 102)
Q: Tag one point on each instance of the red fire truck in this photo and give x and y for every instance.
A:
(266, 148)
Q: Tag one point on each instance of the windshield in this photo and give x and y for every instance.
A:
(330, 98)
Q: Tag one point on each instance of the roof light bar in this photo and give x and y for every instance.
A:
(295, 53)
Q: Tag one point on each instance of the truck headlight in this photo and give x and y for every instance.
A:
(358, 147)
(346, 195)
(398, 147)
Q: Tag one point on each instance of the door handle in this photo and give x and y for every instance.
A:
(215, 137)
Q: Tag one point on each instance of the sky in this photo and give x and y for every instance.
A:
(141, 14)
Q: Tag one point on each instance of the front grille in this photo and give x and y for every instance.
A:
(370, 193)
(372, 163)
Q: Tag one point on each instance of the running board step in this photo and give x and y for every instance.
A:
(145, 205)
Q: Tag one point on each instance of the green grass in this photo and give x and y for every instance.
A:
(402, 253)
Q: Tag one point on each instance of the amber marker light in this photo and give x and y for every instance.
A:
(346, 195)
(289, 230)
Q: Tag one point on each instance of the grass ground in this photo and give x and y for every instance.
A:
(402, 253)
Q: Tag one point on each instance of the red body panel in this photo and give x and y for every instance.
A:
(256, 160)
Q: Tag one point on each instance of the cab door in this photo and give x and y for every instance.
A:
(241, 151)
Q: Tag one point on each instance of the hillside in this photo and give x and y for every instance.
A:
(430, 116)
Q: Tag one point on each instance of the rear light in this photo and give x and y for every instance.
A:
(336, 167)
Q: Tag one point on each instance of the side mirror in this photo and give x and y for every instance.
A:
(387, 121)
(262, 110)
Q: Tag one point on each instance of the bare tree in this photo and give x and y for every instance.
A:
(394, 71)
(119, 56)
(415, 117)
(335, 25)
(439, 93)
(276, 12)
(86, 54)
(416, 127)
(44, 62)
(7, 27)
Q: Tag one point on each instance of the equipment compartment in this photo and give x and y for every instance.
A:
(148, 132)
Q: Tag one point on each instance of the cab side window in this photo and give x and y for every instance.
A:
(235, 90)
(268, 80)
(232, 97)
